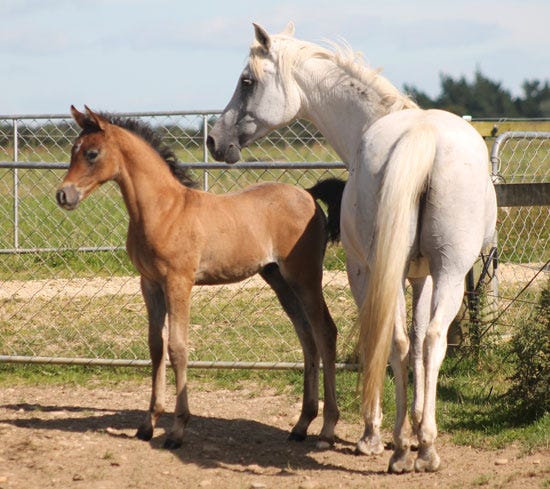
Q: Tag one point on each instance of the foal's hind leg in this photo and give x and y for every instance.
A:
(291, 305)
(324, 334)
(156, 311)
(311, 342)
(306, 283)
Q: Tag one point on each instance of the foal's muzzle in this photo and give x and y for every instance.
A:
(68, 197)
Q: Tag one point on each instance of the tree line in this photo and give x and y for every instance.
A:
(485, 98)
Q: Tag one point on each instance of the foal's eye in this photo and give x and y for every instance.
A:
(91, 155)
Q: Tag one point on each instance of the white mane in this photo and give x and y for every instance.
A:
(292, 52)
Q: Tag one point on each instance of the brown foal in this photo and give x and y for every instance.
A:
(179, 236)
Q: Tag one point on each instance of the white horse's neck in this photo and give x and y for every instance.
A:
(343, 106)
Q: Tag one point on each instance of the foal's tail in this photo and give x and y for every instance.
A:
(330, 192)
(407, 171)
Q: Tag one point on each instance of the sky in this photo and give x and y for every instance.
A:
(162, 55)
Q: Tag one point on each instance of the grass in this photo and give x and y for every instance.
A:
(225, 325)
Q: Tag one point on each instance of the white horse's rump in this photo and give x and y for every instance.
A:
(419, 204)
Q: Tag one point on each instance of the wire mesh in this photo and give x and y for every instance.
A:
(69, 292)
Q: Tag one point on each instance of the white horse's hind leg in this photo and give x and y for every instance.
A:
(401, 460)
(447, 297)
(421, 297)
(371, 441)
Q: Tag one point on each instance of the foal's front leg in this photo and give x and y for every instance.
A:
(178, 295)
(156, 311)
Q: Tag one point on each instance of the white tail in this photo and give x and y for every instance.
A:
(406, 176)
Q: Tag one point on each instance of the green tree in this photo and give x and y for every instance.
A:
(484, 97)
(536, 99)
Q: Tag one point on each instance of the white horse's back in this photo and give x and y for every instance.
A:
(459, 203)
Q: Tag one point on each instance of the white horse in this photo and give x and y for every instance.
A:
(419, 204)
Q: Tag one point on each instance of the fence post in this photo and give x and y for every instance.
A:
(205, 149)
(15, 187)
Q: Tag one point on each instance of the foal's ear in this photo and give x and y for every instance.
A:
(78, 116)
(262, 36)
(96, 119)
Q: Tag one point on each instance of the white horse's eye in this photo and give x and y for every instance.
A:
(247, 82)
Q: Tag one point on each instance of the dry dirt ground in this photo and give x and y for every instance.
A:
(508, 273)
(67, 437)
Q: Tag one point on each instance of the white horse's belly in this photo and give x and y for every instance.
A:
(418, 268)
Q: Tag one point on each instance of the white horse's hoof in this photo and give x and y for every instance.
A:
(371, 446)
(428, 460)
(401, 462)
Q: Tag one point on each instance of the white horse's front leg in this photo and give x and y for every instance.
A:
(401, 460)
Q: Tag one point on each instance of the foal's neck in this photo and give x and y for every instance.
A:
(146, 182)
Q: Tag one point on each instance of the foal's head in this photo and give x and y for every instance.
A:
(94, 159)
(97, 157)
(266, 96)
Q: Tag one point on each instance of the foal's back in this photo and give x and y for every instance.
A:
(242, 232)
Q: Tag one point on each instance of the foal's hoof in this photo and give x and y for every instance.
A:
(171, 444)
(293, 436)
(144, 433)
(324, 444)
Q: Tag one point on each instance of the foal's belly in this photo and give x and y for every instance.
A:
(227, 274)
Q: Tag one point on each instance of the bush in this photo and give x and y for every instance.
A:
(530, 390)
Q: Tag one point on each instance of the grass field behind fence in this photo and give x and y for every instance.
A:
(102, 220)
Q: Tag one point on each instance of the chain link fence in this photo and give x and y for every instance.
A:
(520, 159)
(70, 295)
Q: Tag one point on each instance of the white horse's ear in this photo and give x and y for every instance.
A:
(262, 36)
(289, 29)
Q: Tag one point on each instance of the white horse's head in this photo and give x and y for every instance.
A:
(266, 98)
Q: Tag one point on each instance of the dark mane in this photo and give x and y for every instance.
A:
(153, 138)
